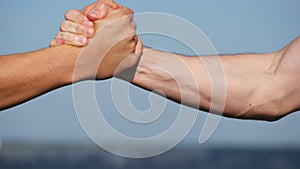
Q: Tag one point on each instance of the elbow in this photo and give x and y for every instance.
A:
(266, 113)
(265, 108)
(260, 107)
(259, 112)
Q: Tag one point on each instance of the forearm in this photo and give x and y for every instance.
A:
(171, 75)
(252, 89)
(28, 75)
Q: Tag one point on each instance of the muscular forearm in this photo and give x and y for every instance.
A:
(28, 75)
(172, 76)
(253, 89)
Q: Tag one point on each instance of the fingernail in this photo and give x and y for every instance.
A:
(89, 32)
(82, 40)
(94, 13)
(60, 41)
(88, 23)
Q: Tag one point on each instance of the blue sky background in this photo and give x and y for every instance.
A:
(232, 26)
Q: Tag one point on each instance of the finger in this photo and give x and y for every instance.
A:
(98, 11)
(123, 14)
(111, 3)
(77, 17)
(72, 39)
(56, 42)
(75, 28)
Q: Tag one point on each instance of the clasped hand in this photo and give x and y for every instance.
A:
(109, 33)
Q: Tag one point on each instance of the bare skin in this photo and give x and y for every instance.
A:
(258, 86)
(79, 24)
(28, 75)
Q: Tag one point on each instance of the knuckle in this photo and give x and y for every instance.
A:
(134, 26)
(128, 11)
(125, 11)
(126, 19)
(131, 30)
(131, 17)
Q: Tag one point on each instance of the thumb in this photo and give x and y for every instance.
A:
(98, 11)
(111, 3)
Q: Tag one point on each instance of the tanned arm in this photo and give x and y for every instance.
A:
(28, 75)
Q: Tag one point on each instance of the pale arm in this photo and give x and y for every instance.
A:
(255, 86)
(258, 86)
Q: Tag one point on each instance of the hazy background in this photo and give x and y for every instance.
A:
(232, 26)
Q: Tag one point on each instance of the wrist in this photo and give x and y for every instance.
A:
(162, 72)
(62, 61)
(149, 68)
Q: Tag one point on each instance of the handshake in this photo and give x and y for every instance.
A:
(109, 33)
(100, 42)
